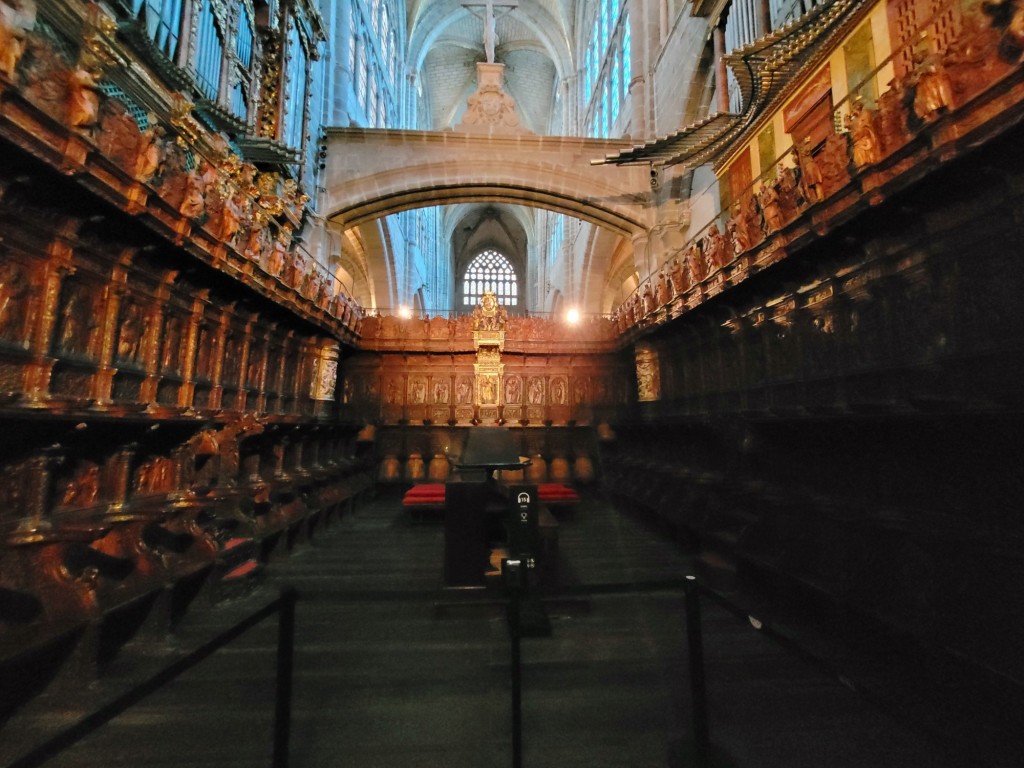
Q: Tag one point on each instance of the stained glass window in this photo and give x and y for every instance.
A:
(490, 271)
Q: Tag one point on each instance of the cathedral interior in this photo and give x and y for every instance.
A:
(673, 338)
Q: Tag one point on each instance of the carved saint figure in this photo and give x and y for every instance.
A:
(789, 191)
(663, 289)
(172, 342)
(558, 392)
(648, 299)
(148, 159)
(130, 337)
(715, 248)
(677, 277)
(275, 264)
(488, 390)
(13, 288)
(83, 488)
(193, 203)
(536, 391)
(513, 389)
(393, 392)
(418, 390)
(119, 136)
(771, 206)
(892, 116)
(83, 97)
(441, 392)
(811, 184)
(695, 262)
(867, 149)
(75, 319)
(463, 391)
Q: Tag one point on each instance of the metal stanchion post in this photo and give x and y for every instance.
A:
(514, 573)
(285, 666)
(698, 692)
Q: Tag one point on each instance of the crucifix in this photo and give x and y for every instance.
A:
(490, 36)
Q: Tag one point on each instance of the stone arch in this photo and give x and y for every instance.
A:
(363, 200)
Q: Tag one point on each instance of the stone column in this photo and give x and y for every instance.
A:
(643, 259)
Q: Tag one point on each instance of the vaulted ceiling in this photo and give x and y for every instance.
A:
(446, 41)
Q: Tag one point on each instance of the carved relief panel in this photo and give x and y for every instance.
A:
(15, 291)
(648, 373)
(77, 330)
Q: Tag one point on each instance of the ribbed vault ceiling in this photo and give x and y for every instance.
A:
(448, 72)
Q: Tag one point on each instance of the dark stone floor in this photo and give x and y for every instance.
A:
(393, 673)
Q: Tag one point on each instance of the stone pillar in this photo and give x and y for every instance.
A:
(721, 75)
(764, 12)
(341, 77)
(638, 92)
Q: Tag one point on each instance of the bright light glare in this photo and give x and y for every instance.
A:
(404, 312)
(573, 316)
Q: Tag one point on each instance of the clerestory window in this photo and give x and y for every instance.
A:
(490, 271)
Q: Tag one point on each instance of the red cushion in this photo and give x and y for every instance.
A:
(549, 492)
(424, 496)
(243, 570)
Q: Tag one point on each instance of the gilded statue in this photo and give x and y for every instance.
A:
(488, 315)
(488, 390)
(150, 154)
(933, 91)
(17, 17)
